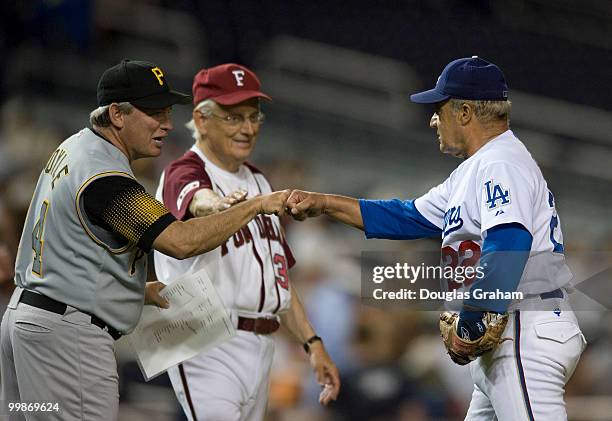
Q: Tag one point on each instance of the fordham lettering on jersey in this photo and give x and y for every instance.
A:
(243, 236)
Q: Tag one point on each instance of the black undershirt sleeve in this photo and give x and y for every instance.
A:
(122, 205)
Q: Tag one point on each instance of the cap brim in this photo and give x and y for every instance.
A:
(237, 97)
(163, 100)
(429, 97)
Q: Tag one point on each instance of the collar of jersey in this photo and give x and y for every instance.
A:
(112, 149)
(508, 133)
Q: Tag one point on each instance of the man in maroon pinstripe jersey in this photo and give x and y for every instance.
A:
(250, 271)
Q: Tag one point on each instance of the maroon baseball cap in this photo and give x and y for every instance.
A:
(227, 84)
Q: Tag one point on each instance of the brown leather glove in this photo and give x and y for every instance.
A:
(463, 351)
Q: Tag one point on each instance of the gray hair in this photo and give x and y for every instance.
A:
(206, 108)
(485, 111)
(100, 118)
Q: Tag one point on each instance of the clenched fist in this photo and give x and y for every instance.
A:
(303, 204)
(274, 203)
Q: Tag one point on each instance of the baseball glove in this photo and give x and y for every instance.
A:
(463, 351)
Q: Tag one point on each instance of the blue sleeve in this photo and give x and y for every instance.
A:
(505, 251)
(395, 220)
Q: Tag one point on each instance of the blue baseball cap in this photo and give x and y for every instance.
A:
(466, 78)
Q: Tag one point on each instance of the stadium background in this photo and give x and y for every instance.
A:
(339, 73)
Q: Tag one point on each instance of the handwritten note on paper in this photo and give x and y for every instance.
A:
(195, 322)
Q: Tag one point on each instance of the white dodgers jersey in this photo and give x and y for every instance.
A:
(251, 269)
(500, 184)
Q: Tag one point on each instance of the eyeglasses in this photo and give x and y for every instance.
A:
(237, 120)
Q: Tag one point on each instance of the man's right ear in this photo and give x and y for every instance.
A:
(199, 119)
(116, 116)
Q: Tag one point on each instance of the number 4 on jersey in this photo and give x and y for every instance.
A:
(37, 239)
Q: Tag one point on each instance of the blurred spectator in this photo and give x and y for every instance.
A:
(7, 271)
(26, 146)
(380, 389)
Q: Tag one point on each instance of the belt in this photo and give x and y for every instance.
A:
(557, 293)
(43, 302)
(260, 326)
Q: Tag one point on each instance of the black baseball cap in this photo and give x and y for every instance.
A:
(467, 78)
(140, 83)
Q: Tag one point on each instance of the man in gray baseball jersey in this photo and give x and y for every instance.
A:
(81, 266)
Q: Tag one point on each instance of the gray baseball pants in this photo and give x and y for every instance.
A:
(52, 358)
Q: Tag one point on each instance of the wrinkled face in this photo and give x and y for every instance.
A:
(231, 131)
(144, 131)
(451, 138)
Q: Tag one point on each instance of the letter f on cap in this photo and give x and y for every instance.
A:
(239, 75)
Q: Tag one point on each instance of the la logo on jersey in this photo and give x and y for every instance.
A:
(239, 76)
(496, 195)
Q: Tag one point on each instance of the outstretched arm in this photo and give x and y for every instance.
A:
(390, 219)
(325, 370)
(303, 204)
(199, 235)
(122, 205)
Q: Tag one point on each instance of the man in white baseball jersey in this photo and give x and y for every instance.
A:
(81, 267)
(495, 208)
(250, 270)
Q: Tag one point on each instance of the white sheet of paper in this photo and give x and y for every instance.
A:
(195, 322)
